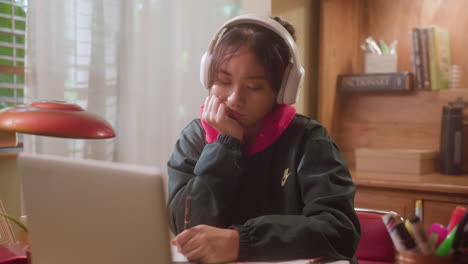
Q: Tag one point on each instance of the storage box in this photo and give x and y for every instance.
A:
(379, 63)
(406, 161)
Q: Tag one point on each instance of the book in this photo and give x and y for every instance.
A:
(424, 54)
(443, 60)
(375, 82)
(431, 51)
(8, 139)
(439, 60)
(416, 58)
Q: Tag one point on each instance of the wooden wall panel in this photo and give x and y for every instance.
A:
(406, 120)
(393, 121)
(339, 47)
(394, 19)
(418, 107)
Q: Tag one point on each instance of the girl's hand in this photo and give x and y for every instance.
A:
(208, 244)
(216, 114)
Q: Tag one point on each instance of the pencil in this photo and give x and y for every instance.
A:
(188, 212)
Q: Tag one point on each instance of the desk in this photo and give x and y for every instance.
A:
(16, 254)
(179, 258)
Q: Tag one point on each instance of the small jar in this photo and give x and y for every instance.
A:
(406, 257)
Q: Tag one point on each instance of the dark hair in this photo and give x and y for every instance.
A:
(270, 49)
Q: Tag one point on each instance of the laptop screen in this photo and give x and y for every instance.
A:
(87, 211)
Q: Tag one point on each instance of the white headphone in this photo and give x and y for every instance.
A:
(293, 74)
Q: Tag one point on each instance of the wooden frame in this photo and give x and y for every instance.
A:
(6, 233)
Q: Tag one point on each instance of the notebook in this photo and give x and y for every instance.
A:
(87, 211)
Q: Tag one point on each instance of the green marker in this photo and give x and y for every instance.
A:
(383, 46)
(445, 248)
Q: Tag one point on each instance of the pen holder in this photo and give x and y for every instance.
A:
(406, 257)
(379, 63)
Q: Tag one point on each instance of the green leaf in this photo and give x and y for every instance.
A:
(16, 221)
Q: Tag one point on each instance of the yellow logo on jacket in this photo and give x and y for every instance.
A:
(286, 174)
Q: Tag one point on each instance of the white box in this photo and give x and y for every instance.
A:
(375, 63)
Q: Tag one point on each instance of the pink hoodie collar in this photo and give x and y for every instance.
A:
(273, 126)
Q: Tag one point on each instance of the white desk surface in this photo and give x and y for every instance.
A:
(177, 257)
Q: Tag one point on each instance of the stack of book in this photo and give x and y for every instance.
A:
(431, 57)
(8, 139)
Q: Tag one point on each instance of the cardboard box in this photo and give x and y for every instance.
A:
(406, 161)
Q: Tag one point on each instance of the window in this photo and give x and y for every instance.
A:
(12, 50)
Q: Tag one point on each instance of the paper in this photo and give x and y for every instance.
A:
(178, 257)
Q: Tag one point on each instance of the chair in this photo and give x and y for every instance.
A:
(375, 246)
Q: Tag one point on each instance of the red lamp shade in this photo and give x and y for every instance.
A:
(55, 119)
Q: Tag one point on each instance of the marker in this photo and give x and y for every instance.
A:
(404, 237)
(390, 221)
(418, 210)
(420, 235)
(383, 46)
(457, 215)
(460, 241)
(188, 212)
(373, 46)
(445, 247)
(441, 232)
(392, 47)
(408, 227)
(433, 237)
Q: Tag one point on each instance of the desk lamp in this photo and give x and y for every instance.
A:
(55, 119)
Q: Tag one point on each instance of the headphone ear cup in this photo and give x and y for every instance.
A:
(204, 68)
(284, 85)
(290, 85)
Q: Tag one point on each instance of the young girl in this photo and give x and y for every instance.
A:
(266, 183)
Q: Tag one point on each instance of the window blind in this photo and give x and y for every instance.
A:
(12, 51)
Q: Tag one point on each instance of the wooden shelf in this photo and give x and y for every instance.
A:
(435, 182)
(10, 152)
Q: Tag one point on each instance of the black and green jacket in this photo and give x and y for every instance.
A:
(294, 199)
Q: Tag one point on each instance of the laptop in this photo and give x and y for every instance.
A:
(88, 211)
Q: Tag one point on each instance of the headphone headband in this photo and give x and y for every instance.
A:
(266, 22)
(293, 74)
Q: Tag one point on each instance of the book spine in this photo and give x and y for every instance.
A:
(416, 58)
(432, 52)
(426, 75)
(373, 82)
(8, 139)
(442, 46)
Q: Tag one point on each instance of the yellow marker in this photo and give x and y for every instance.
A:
(418, 210)
(408, 227)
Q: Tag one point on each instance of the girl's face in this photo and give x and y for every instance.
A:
(242, 84)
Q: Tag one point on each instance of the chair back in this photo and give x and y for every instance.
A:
(375, 245)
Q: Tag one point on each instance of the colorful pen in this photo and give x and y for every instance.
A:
(188, 212)
(405, 238)
(441, 232)
(420, 235)
(418, 210)
(457, 215)
(408, 227)
(446, 246)
(390, 221)
(460, 241)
